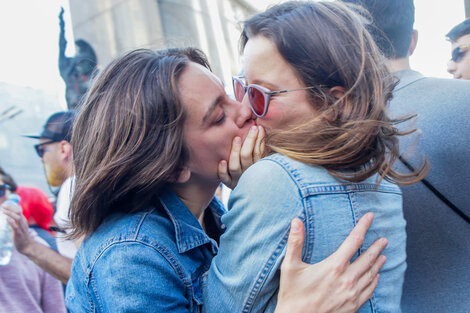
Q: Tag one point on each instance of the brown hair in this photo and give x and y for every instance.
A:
(7, 179)
(128, 138)
(328, 45)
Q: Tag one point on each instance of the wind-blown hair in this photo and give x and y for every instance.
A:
(128, 139)
(328, 45)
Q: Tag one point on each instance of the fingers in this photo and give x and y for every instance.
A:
(355, 239)
(222, 172)
(367, 261)
(259, 145)
(12, 211)
(246, 155)
(367, 292)
(295, 243)
(234, 165)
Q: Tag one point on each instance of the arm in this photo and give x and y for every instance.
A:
(45, 257)
(335, 284)
(137, 277)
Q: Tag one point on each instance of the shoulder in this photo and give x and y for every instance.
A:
(280, 169)
(151, 232)
(273, 184)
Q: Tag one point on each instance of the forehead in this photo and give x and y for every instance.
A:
(198, 88)
(263, 63)
(463, 40)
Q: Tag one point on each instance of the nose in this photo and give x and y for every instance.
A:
(452, 67)
(244, 113)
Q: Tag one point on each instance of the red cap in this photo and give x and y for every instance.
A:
(36, 206)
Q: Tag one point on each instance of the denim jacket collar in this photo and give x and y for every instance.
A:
(188, 232)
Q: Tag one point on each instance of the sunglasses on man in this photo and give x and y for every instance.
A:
(3, 189)
(458, 53)
(40, 147)
(258, 96)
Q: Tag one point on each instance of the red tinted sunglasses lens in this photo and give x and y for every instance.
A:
(257, 100)
(238, 90)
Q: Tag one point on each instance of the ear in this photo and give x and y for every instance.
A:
(65, 149)
(183, 176)
(337, 92)
(414, 42)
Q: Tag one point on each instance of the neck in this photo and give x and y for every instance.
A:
(196, 196)
(395, 65)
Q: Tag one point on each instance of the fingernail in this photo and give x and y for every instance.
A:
(296, 226)
(238, 140)
(384, 241)
(253, 129)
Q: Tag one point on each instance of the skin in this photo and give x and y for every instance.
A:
(461, 69)
(265, 66)
(213, 117)
(57, 161)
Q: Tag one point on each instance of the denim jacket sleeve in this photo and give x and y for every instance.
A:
(121, 272)
(244, 276)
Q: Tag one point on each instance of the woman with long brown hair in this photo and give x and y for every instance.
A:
(317, 83)
(148, 144)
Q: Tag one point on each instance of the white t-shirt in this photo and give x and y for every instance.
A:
(65, 246)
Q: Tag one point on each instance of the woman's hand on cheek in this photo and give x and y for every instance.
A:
(335, 284)
(242, 156)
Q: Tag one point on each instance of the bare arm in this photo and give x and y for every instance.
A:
(335, 284)
(45, 257)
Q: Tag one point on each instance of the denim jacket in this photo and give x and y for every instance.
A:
(150, 261)
(245, 273)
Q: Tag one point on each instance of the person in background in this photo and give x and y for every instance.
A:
(437, 209)
(36, 208)
(24, 286)
(55, 151)
(459, 63)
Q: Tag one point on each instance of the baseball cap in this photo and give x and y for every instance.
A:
(58, 127)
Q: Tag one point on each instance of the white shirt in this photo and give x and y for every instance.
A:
(65, 246)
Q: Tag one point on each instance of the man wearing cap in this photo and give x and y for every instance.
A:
(55, 151)
(459, 64)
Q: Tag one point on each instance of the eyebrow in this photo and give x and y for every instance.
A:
(212, 108)
(269, 85)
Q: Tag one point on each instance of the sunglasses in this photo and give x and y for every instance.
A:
(258, 96)
(458, 54)
(3, 189)
(40, 149)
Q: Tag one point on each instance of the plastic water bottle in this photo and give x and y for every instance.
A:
(6, 239)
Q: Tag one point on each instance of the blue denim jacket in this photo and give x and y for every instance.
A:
(245, 273)
(150, 261)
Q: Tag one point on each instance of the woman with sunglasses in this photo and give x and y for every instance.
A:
(316, 82)
(148, 145)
